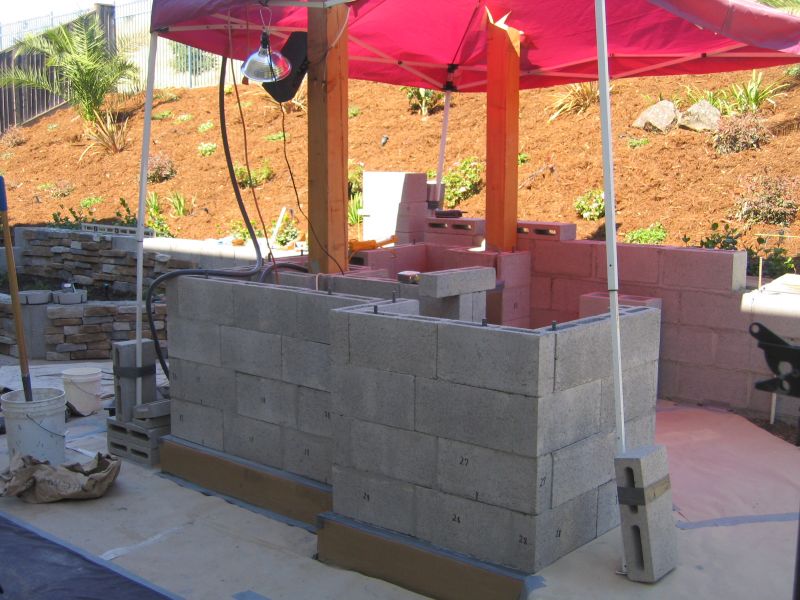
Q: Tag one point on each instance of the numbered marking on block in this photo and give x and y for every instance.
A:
(523, 539)
(558, 533)
(307, 452)
(456, 518)
(464, 460)
(365, 496)
(542, 481)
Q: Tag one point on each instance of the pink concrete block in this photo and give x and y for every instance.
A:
(523, 322)
(460, 258)
(409, 223)
(720, 310)
(514, 268)
(703, 269)
(446, 239)
(414, 209)
(597, 303)
(545, 317)
(516, 303)
(574, 259)
(670, 299)
(735, 351)
(567, 293)
(636, 263)
(688, 344)
(546, 231)
(713, 385)
(379, 259)
(668, 379)
(458, 226)
(438, 257)
(541, 292)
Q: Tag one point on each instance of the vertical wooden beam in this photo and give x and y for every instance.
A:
(502, 135)
(327, 139)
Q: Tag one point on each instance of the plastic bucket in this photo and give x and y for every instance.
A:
(82, 388)
(36, 427)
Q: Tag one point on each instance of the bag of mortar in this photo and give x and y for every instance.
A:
(38, 482)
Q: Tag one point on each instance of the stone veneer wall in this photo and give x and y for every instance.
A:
(83, 331)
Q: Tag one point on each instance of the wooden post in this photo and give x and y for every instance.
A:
(502, 135)
(327, 139)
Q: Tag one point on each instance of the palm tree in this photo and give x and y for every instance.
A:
(83, 68)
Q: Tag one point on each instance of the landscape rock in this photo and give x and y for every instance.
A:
(660, 117)
(701, 116)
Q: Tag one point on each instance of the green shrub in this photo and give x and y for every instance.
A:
(239, 231)
(740, 132)
(287, 233)
(90, 203)
(727, 239)
(152, 205)
(637, 142)
(60, 189)
(178, 203)
(423, 101)
(522, 158)
(774, 261)
(578, 98)
(353, 112)
(354, 206)
(123, 215)
(591, 205)
(183, 118)
(162, 116)
(716, 98)
(255, 177)
(654, 234)
(277, 137)
(793, 72)
(768, 199)
(754, 95)
(160, 168)
(355, 178)
(206, 148)
(205, 126)
(12, 137)
(462, 182)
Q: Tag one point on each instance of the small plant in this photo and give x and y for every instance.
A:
(638, 142)
(591, 205)
(123, 215)
(52, 127)
(354, 206)
(740, 132)
(162, 116)
(228, 89)
(423, 101)
(159, 225)
(727, 239)
(255, 177)
(462, 182)
(65, 222)
(108, 133)
(654, 234)
(205, 126)
(754, 95)
(774, 261)
(60, 189)
(206, 148)
(793, 72)
(152, 206)
(240, 232)
(578, 98)
(160, 168)
(355, 179)
(12, 137)
(167, 96)
(287, 233)
(183, 118)
(353, 112)
(276, 137)
(716, 98)
(522, 158)
(770, 200)
(178, 203)
(90, 203)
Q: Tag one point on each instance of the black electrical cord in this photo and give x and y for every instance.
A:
(237, 273)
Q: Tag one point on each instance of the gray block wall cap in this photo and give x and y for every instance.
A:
(640, 452)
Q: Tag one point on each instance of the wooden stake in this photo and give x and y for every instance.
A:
(327, 139)
(502, 135)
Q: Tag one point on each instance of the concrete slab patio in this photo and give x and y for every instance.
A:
(736, 490)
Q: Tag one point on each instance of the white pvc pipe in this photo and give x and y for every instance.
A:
(611, 227)
(442, 146)
(140, 215)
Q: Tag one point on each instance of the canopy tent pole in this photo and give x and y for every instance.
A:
(611, 228)
(442, 147)
(140, 215)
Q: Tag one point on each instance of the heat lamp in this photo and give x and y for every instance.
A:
(266, 66)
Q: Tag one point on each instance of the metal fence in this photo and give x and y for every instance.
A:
(128, 27)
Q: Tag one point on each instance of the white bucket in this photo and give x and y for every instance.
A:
(36, 427)
(82, 388)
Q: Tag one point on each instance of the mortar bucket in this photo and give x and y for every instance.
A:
(37, 427)
(82, 388)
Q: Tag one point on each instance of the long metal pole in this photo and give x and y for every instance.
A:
(442, 147)
(14, 289)
(611, 226)
(140, 215)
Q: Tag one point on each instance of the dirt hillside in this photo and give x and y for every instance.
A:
(676, 179)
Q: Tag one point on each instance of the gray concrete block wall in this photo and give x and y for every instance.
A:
(489, 450)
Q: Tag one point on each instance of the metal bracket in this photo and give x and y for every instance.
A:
(635, 496)
(135, 372)
(783, 360)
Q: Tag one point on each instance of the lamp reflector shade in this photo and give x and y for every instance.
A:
(265, 66)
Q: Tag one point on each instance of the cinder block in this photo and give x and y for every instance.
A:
(486, 532)
(199, 424)
(607, 507)
(296, 279)
(339, 325)
(368, 288)
(314, 411)
(394, 343)
(454, 282)
(691, 344)
(266, 308)
(397, 453)
(713, 385)
(541, 291)
(715, 310)
(313, 313)
(124, 355)
(254, 440)
(569, 416)
(198, 341)
(443, 308)
(573, 258)
(306, 363)
(648, 528)
(340, 427)
(307, 454)
(597, 303)
(566, 293)
(582, 466)
(508, 360)
(373, 499)
(636, 263)
(493, 477)
(267, 400)
(374, 395)
(477, 416)
(252, 352)
(203, 299)
(704, 269)
(565, 528)
(639, 385)
(640, 432)
(546, 231)
(514, 268)
(202, 384)
(516, 303)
